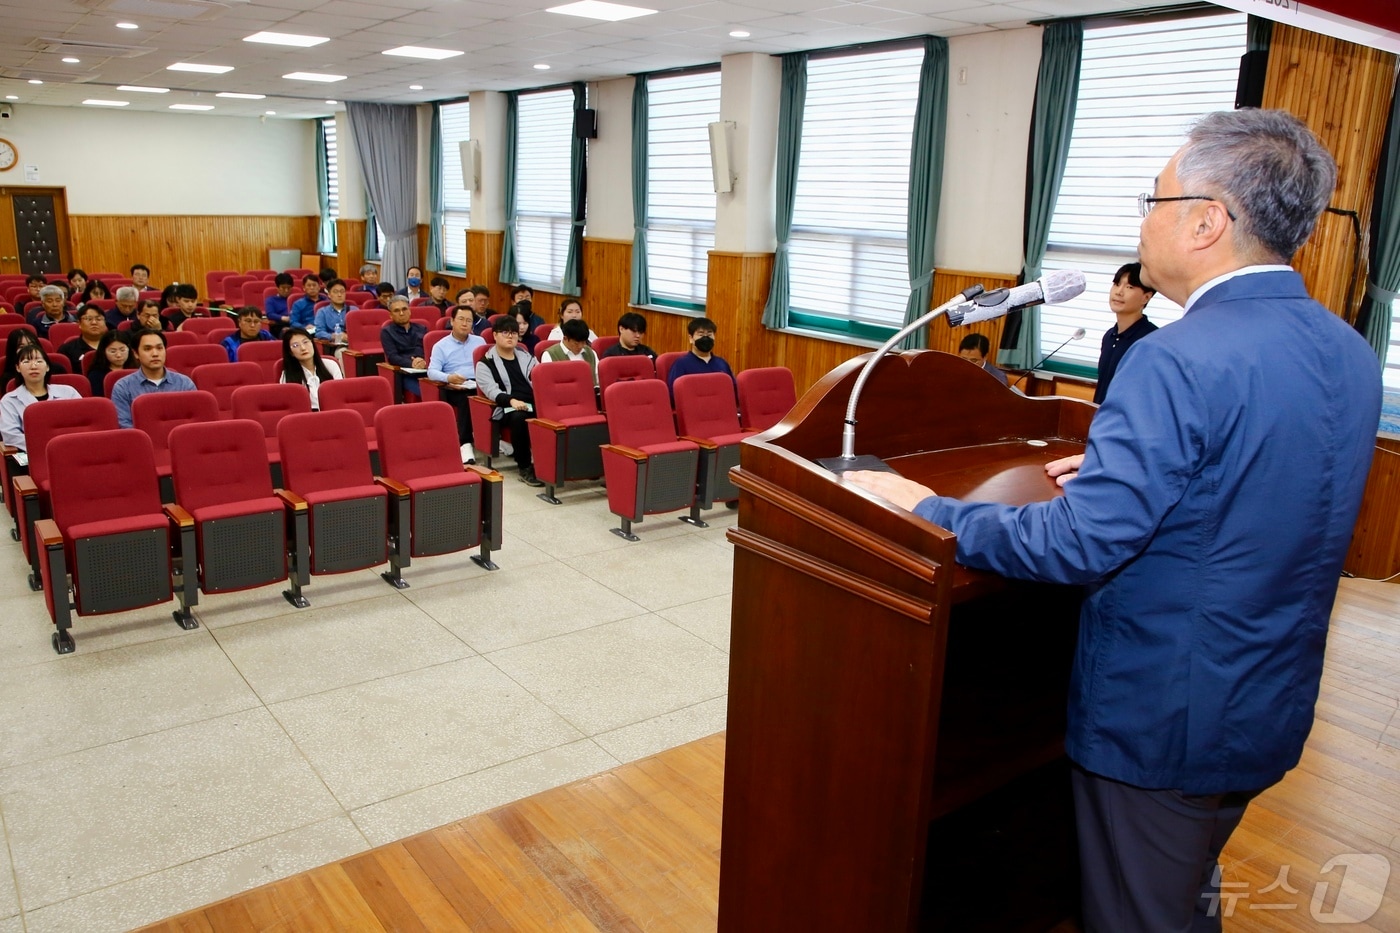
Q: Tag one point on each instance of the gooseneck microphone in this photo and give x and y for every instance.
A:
(1077, 335)
(972, 305)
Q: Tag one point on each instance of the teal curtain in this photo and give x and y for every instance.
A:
(1374, 319)
(325, 234)
(1259, 34)
(925, 183)
(507, 273)
(792, 103)
(641, 283)
(373, 248)
(1052, 123)
(578, 201)
(434, 259)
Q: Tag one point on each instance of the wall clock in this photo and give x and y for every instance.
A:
(9, 155)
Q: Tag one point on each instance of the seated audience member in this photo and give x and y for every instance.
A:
(451, 364)
(187, 302)
(96, 291)
(303, 364)
(303, 312)
(574, 346)
(50, 311)
(1127, 298)
(369, 279)
(77, 281)
(330, 320)
(402, 339)
(630, 328)
(570, 309)
(437, 291)
(33, 387)
(128, 297)
(384, 294)
(275, 307)
(328, 275)
(140, 276)
(481, 308)
(250, 330)
(463, 299)
(18, 340)
(522, 292)
(520, 314)
(150, 376)
(92, 324)
(113, 352)
(527, 307)
(503, 376)
(148, 317)
(167, 295)
(35, 283)
(413, 288)
(974, 348)
(701, 358)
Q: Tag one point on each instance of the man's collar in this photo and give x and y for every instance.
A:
(1221, 279)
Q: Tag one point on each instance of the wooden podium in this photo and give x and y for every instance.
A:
(894, 757)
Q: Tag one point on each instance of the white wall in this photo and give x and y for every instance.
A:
(488, 115)
(114, 162)
(610, 161)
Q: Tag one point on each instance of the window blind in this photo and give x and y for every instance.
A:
(680, 185)
(456, 198)
(542, 196)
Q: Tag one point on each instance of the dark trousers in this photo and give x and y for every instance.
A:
(1149, 857)
(519, 435)
(460, 400)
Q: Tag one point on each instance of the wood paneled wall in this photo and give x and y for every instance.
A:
(1342, 91)
(484, 262)
(350, 248)
(947, 284)
(183, 249)
(1375, 543)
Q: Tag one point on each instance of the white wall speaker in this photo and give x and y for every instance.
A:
(470, 152)
(720, 135)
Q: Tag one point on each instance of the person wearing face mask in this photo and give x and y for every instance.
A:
(415, 282)
(701, 358)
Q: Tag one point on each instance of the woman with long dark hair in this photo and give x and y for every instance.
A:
(303, 364)
(113, 353)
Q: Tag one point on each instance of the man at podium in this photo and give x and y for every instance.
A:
(1207, 519)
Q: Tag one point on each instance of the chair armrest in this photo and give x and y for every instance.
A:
(382, 365)
(393, 486)
(349, 352)
(8, 451)
(701, 442)
(177, 514)
(293, 501)
(482, 400)
(25, 487)
(487, 475)
(631, 453)
(548, 425)
(46, 533)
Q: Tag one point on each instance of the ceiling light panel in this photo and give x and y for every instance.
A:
(143, 90)
(286, 38)
(191, 106)
(94, 102)
(598, 9)
(313, 76)
(201, 69)
(418, 51)
(235, 96)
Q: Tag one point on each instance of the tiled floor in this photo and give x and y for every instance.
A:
(157, 770)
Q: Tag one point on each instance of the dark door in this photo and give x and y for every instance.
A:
(33, 230)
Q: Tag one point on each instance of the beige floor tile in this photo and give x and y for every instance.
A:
(9, 897)
(106, 815)
(26, 630)
(666, 731)
(459, 569)
(664, 573)
(194, 884)
(12, 925)
(571, 529)
(444, 803)
(620, 673)
(516, 607)
(386, 737)
(84, 700)
(267, 602)
(708, 618)
(321, 649)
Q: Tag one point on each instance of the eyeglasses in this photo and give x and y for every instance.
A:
(1146, 202)
(299, 345)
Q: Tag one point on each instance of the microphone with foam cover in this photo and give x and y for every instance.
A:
(1052, 288)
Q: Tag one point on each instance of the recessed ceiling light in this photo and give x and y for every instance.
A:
(270, 113)
(415, 87)
(35, 81)
(191, 106)
(72, 61)
(202, 69)
(286, 38)
(739, 34)
(94, 102)
(12, 97)
(331, 102)
(313, 76)
(418, 51)
(240, 96)
(597, 9)
(127, 26)
(143, 90)
(541, 67)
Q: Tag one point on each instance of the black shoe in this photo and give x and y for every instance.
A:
(528, 477)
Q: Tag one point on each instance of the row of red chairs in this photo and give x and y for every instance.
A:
(108, 541)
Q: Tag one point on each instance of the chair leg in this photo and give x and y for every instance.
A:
(694, 517)
(55, 568)
(186, 581)
(299, 573)
(399, 548)
(483, 560)
(548, 495)
(624, 531)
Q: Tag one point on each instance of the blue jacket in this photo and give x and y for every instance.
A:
(303, 313)
(1208, 523)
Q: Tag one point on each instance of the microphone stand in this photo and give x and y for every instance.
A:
(848, 460)
(1077, 335)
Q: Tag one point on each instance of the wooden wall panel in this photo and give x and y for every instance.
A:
(946, 284)
(183, 249)
(1342, 91)
(1375, 543)
(484, 262)
(350, 248)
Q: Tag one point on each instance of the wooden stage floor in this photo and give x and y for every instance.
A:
(637, 848)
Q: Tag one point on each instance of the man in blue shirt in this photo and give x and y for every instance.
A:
(701, 358)
(331, 318)
(303, 312)
(450, 363)
(250, 330)
(275, 307)
(1208, 520)
(402, 340)
(151, 377)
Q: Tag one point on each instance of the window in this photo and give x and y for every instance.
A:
(1140, 87)
(456, 197)
(680, 186)
(1391, 373)
(847, 255)
(543, 199)
(332, 176)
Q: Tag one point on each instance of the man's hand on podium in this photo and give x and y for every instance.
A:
(1064, 469)
(904, 493)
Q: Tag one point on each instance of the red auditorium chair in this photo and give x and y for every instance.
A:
(156, 415)
(363, 349)
(252, 296)
(648, 468)
(664, 362)
(268, 404)
(222, 379)
(213, 284)
(343, 519)
(73, 380)
(766, 395)
(233, 288)
(10, 317)
(604, 344)
(707, 413)
(216, 335)
(365, 397)
(451, 507)
(542, 331)
(420, 302)
(542, 346)
(240, 525)
(110, 534)
(58, 363)
(183, 359)
(428, 314)
(61, 333)
(203, 325)
(266, 353)
(623, 369)
(261, 273)
(43, 423)
(182, 338)
(567, 431)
